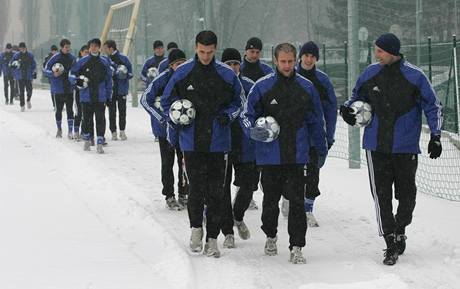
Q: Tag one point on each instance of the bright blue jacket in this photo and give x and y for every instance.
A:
(327, 95)
(60, 84)
(157, 118)
(398, 94)
(121, 85)
(243, 147)
(214, 90)
(5, 68)
(99, 72)
(27, 68)
(295, 104)
(163, 65)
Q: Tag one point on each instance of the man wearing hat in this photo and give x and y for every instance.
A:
(5, 68)
(154, 61)
(242, 159)
(165, 63)
(168, 147)
(24, 72)
(309, 55)
(53, 50)
(398, 92)
(252, 67)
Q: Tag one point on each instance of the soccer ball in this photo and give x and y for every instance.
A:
(182, 112)
(85, 82)
(157, 103)
(122, 71)
(152, 72)
(58, 68)
(16, 64)
(363, 112)
(269, 123)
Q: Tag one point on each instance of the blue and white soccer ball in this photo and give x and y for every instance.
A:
(85, 82)
(363, 113)
(58, 68)
(152, 72)
(122, 71)
(182, 112)
(16, 64)
(269, 123)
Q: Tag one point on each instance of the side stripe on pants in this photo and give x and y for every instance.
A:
(370, 167)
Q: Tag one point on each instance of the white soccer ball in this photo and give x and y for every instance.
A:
(85, 82)
(363, 112)
(122, 71)
(16, 64)
(152, 72)
(58, 68)
(157, 103)
(182, 112)
(269, 123)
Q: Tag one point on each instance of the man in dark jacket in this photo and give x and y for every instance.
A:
(24, 70)
(252, 67)
(398, 92)
(150, 69)
(215, 91)
(53, 50)
(7, 71)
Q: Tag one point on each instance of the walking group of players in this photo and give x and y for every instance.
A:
(269, 126)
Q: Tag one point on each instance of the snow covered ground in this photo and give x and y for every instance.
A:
(74, 219)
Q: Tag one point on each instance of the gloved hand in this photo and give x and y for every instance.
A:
(34, 75)
(79, 82)
(223, 119)
(347, 115)
(259, 134)
(108, 103)
(435, 147)
(321, 161)
(329, 145)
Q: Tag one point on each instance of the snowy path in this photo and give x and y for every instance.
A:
(74, 219)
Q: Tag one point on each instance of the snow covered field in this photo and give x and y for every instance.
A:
(74, 219)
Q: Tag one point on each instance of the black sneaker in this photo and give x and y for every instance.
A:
(400, 242)
(391, 256)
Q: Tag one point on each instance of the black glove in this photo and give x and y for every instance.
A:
(347, 115)
(321, 161)
(223, 119)
(435, 147)
(329, 145)
(108, 103)
(34, 75)
(259, 134)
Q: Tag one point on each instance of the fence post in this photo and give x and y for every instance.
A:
(369, 55)
(324, 57)
(454, 40)
(429, 60)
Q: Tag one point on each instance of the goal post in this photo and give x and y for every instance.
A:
(120, 25)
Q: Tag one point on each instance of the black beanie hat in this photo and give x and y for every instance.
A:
(9, 46)
(254, 43)
(231, 54)
(171, 45)
(53, 47)
(389, 43)
(157, 43)
(175, 55)
(22, 45)
(96, 41)
(310, 48)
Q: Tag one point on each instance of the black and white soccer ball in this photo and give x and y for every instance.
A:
(269, 123)
(363, 113)
(122, 71)
(157, 103)
(16, 64)
(182, 112)
(152, 72)
(85, 82)
(58, 68)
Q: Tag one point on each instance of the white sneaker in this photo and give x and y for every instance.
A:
(270, 247)
(59, 133)
(23, 108)
(229, 241)
(296, 256)
(285, 207)
(172, 204)
(123, 135)
(253, 205)
(211, 249)
(99, 148)
(311, 220)
(87, 145)
(29, 105)
(243, 230)
(114, 136)
(196, 240)
(70, 136)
